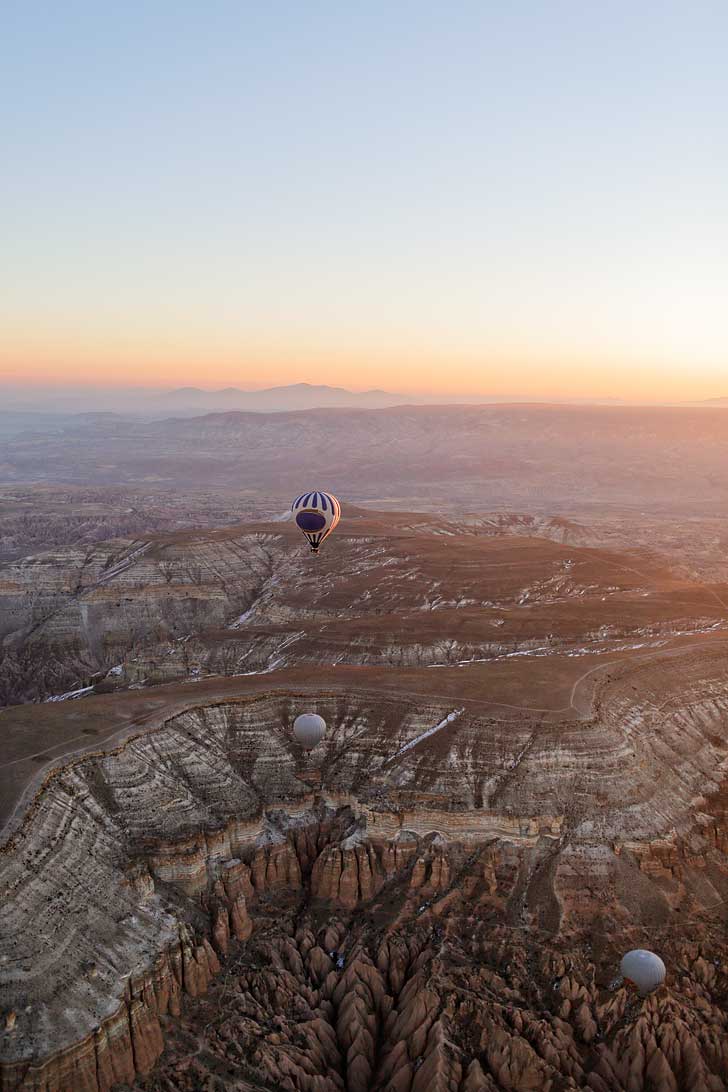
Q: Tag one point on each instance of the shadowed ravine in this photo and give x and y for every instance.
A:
(379, 915)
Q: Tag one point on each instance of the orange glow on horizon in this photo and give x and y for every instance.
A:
(544, 218)
(501, 373)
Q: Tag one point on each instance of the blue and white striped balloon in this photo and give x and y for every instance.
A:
(316, 514)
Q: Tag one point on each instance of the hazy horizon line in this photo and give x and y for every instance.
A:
(29, 389)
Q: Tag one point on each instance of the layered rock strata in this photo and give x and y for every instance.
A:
(142, 871)
(227, 602)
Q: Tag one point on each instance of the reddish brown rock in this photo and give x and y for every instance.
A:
(236, 879)
(221, 931)
(275, 866)
(146, 1036)
(240, 922)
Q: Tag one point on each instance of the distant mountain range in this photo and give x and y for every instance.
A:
(295, 396)
(195, 402)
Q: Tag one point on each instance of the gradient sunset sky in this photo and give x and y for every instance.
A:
(525, 199)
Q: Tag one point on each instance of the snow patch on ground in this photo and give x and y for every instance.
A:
(125, 563)
(242, 619)
(430, 732)
(275, 660)
(71, 695)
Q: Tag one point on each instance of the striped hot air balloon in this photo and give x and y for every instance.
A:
(316, 514)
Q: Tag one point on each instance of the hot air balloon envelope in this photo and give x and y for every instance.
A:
(310, 521)
(309, 729)
(645, 969)
(316, 514)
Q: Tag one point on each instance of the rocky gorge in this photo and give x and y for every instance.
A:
(398, 589)
(436, 898)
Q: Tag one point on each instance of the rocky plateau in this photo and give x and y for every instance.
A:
(525, 774)
(433, 899)
(393, 589)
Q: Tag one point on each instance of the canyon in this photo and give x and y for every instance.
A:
(405, 908)
(396, 589)
(523, 777)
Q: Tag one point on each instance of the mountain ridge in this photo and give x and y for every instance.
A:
(277, 399)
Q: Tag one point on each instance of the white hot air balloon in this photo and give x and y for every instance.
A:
(316, 514)
(309, 729)
(643, 969)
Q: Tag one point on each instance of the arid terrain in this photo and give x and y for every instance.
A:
(399, 589)
(524, 776)
(524, 458)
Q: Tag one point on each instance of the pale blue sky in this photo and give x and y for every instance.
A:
(324, 188)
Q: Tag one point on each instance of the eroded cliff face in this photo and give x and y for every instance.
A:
(446, 1000)
(405, 909)
(332, 960)
(74, 614)
(228, 602)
